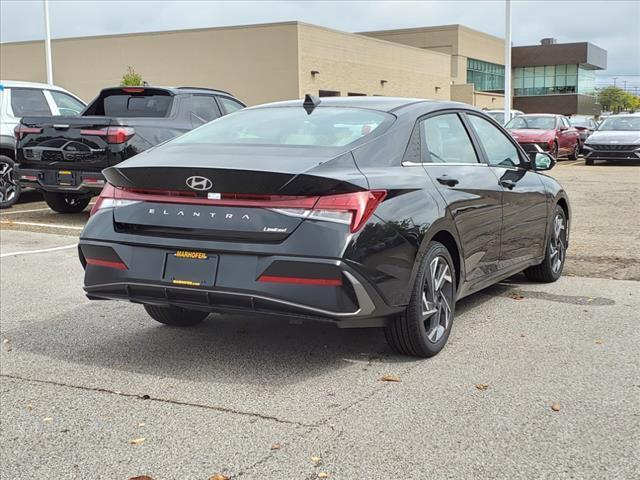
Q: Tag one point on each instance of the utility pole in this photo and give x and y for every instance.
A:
(625, 85)
(47, 42)
(507, 62)
(614, 81)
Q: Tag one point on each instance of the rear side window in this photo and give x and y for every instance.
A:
(67, 105)
(132, 102)
(28, 101)
(445, 140)
(230, 105)
(204, 108)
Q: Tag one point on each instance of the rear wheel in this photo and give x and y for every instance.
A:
(554, 150)
(588, 161)
(551, 267)
(423, 328)
(66, 202)
(176, 316)
(9, 184)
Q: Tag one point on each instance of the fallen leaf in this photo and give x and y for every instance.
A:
(316, 460)
(390, 378)
(29, 407)
(220, 476)
(142, 477)
(47, 419)
(599, 342)
(137, 441)
(323, 475)
(517, 296)
(523, 334)
(275, 446)
(555, 407)
(482, 386)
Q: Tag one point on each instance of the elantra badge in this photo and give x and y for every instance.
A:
(199, 183)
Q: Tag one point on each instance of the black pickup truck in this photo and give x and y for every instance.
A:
(63, 156)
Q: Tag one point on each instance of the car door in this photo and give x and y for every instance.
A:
(568, 136)
(468, 187)
(524, 201)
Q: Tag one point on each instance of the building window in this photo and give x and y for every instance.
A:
(552, 80)
(354, 94)
(485, 76)
(328, 93)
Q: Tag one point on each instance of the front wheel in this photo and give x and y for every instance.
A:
(175, 316)
(66, 202)
(551, 267)
(9, 184)
(423, 328)
(576, 151)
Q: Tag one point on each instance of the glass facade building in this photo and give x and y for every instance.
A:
(553, 80)
(485, 76)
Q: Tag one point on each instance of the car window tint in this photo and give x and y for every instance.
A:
(499, 149)
(123, 105)
(28, 101)
(230, 105)
(67, 105)
(204, 108)
(446, 140)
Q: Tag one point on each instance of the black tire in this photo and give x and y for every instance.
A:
(9, 183)
(415, 332)
(551, 267)
(554, 151)
(576, 151)
(588, 161)
(66, 202)
(176, 316)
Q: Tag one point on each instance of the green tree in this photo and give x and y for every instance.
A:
(131, 78)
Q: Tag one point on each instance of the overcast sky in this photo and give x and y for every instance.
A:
(610, 24)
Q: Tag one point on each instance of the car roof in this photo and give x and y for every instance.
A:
(383, 104)
(174, 90)
(541, 115)
(21, 84)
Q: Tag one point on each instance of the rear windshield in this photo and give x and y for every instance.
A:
(120, 103)
(534, 123)
(323, 127)
(621, 123)
(497, 116)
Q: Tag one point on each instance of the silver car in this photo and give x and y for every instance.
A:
(617, 138)
(19, 99)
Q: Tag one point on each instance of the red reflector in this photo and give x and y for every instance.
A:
(31, 178)
(106, 263)
(331, 282)
(20, 131)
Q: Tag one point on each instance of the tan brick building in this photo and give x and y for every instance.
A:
(268, 62)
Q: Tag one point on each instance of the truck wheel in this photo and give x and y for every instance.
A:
(66, 202)
(9, 184)
(175, 316)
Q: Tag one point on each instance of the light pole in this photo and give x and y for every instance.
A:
(507, 62)
(47, 42)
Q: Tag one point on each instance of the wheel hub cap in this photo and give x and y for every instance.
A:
(8, 184)
(557, 246)
(437, 299)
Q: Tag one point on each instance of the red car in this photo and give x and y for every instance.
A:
(552, 133)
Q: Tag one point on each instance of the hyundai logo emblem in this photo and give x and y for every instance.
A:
(199, 183)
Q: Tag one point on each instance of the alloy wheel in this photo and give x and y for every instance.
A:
(557, 245)
(8, 184)
(437, 298)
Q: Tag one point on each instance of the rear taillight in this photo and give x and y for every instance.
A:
(20, 131)
(353, 209)
(113, 135)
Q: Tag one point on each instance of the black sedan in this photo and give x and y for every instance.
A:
(364, 212)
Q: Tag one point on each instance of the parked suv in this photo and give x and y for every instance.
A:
(64, 156)
(18, 99)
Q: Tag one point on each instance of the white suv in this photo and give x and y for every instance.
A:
(18, 99)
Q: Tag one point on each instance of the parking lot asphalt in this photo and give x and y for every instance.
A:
(99, 390)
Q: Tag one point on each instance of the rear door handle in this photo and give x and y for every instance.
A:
(508, 184)
(449, 182)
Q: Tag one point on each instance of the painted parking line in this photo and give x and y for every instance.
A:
(13, 212)
(45, 225)
(572, 163)
(42, 250)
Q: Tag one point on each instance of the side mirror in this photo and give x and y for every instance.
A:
(542, 161)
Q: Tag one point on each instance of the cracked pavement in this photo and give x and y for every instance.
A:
(258, 398)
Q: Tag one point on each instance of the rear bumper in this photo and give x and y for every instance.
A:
(236, 286)
(83, 183)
